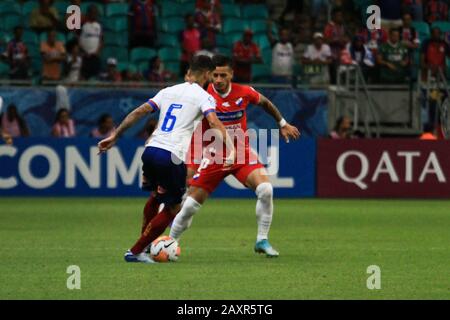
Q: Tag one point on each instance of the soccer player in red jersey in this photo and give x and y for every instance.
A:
(232, 100)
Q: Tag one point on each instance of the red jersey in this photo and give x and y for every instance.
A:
(436, 52)
(190, 41)
(143, 16)
(231, 107)
(16, 52)
(436, 10)
(243, 70)
(231, 110)
(334, 34)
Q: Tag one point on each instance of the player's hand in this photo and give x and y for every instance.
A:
(289, 132)
(107, 143)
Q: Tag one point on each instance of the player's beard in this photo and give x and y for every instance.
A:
(205, 86)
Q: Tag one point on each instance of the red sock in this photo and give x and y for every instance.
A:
(153, 230)
(150, 211)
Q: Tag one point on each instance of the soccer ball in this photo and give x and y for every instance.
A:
(165, 249)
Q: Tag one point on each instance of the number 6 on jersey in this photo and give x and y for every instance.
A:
(170, 119)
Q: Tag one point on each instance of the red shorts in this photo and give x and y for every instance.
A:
(210, 176)
(192, 166)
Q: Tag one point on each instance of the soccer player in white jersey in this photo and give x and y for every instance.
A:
(163, 159)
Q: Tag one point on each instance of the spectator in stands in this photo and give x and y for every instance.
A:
(64, 126)
(393, 59)
(207, 20)
(391, 13)
(414, 8)
(105, 127)
(334, 31)
(156, 71)
(436, 10)
(408, 34)
(111, 74)
(190, 43)
(143, 23)
(302, 34)
(434, 53)
(360, 54)
(45, 17)
(91, 42)
(374, 38)
(336, 37)
(282, 56)
(16, 55)
(245, 53)
(53, 54)
(316, 60)
(13, 124)
(73, 64)
(342, 129)
(409, 37)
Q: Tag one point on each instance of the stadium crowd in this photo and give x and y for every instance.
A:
(151, 40)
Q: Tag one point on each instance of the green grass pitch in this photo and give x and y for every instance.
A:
(325, 246)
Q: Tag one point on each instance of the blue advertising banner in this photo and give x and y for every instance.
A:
(305, 109)
(71, 167)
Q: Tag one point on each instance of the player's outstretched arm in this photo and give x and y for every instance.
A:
(215, 123)
(287, 131)
(127, 123)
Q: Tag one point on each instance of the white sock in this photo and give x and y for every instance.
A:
(183, 220)
(184, 197)
(264, 209)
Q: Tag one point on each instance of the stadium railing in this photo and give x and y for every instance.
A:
(436, 81)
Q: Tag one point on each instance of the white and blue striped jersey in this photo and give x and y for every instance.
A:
(180, 107)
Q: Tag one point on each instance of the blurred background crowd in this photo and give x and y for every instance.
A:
(293, 41)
